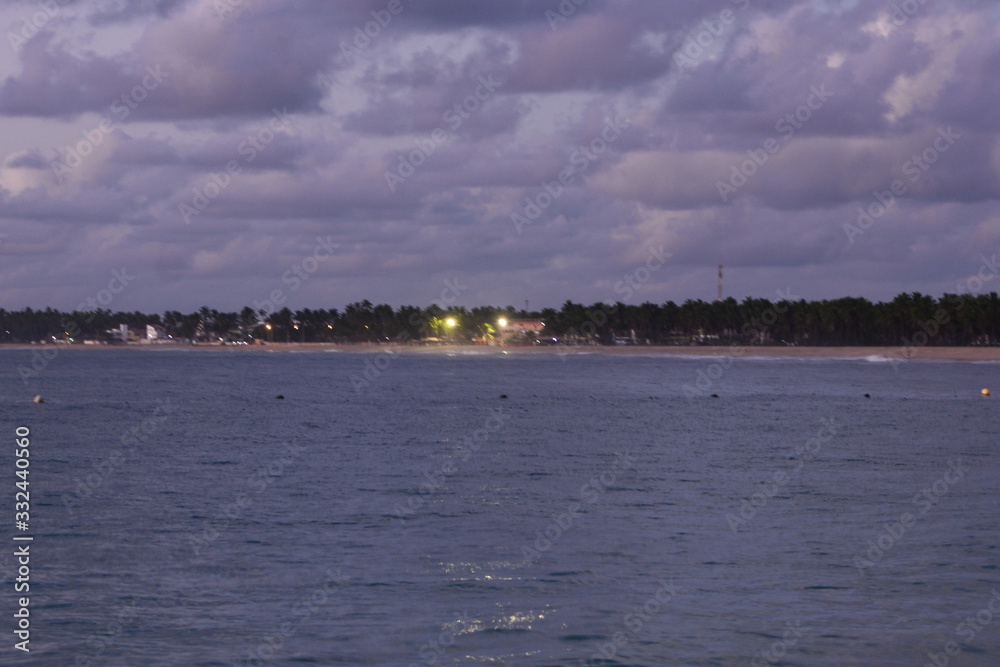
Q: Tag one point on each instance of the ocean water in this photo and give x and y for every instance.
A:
(396, 510)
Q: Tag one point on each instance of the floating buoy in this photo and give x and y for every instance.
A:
(868, 395)
(985, 392)
(280, 397)
(715, 395)
(39, 399)
(503, 395)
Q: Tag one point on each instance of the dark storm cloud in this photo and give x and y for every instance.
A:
(56, 84)
(487, 13)
(229, 65)
(212, 68)
(29, 160)
(431, 91)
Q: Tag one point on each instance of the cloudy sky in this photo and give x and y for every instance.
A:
(219, 152)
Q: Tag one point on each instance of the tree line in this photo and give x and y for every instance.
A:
(909, 319)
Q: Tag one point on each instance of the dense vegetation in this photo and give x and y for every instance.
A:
(909, 319)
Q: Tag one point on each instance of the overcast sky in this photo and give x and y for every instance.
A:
(212, 152)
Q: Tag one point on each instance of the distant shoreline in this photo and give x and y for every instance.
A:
(777, 352)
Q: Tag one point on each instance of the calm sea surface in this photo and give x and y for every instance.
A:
(395, 510)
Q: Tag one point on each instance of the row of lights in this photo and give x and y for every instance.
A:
(450, 322)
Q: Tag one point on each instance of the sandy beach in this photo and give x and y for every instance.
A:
(901, 353)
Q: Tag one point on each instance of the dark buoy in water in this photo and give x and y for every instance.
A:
(868, 395)
(503, 395)
(715, 395)
(38, 399)
(280, 397)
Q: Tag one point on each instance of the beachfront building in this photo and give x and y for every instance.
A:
(155, 332)
(121, 334)
(521, 330)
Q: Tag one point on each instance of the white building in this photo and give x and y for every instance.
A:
(526, 328)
